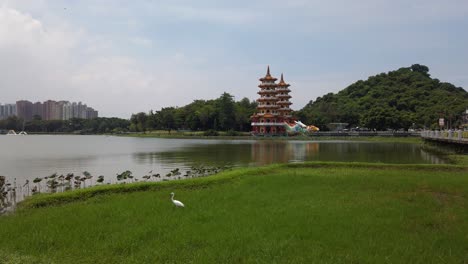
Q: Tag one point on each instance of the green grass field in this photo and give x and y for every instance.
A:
(296, 213)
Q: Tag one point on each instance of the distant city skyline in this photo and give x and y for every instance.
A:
(125, 57)
(47, 110)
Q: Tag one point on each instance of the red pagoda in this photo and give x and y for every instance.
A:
(273, 107)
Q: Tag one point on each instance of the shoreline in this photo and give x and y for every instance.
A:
(185, 135)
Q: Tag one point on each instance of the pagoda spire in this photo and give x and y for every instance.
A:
(281, 82)
(268, 76)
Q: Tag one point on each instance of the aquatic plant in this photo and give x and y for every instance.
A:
(26, 184)
(175, 172)
(69, 176)
(52, 185)
(87, 176)
(124, 175)
(100, 179)
(146, 177)
(3, 193)
(37, 181)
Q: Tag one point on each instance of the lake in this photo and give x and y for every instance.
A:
(28, 157)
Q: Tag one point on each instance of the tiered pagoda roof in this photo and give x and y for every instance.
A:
(268, 76)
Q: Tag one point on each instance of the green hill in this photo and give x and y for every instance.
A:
(393, 100)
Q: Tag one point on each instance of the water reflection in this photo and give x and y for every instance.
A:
(267, 152)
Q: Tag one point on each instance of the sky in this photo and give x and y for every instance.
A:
(124, 57)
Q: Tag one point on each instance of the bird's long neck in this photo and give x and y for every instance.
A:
(172, 197)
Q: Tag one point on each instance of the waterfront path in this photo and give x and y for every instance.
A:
(445, 136)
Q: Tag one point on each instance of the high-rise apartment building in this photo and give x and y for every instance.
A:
(7, 110)
(91, 113)
(38, 110)
(49, 110)
(24, 110)
(67, 112)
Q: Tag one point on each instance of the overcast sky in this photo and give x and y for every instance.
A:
(123, 57)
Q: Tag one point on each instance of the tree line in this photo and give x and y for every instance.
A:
(98, 125)
(223, 114)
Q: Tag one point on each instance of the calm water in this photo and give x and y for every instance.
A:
(27, 157)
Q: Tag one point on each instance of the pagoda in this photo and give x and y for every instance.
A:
(273, 107)
(282, 93)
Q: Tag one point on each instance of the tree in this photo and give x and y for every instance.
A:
(226, 111)
(421, 69)
(167, 118)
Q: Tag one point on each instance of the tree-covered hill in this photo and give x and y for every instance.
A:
(393, 100)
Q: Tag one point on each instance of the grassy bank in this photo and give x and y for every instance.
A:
(296, 213)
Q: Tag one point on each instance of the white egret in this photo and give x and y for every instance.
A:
(175, 202)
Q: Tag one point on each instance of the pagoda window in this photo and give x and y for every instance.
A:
(268, 120)
(268, 111)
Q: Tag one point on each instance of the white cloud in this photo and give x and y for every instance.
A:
(34, 60)
(43, 62)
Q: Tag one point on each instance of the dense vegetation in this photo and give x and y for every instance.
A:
(222, 114)
(293, 213)
(405, 98)
(76, 125)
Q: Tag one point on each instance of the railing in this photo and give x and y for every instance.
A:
(266, 124)
(446, 136)
(365, 134)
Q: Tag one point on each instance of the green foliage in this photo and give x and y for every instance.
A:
(223, 113)
(124, 175)
(75, 125)
(210, 133)
(393, 100)
(232, 133)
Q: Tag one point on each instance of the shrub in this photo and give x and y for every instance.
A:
(211, 133)
(232, 133)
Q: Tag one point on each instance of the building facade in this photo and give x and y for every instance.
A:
(7, 110)
(273, 110)
(48, 110)
(24, 110)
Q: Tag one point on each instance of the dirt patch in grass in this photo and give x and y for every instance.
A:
(445, 198)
